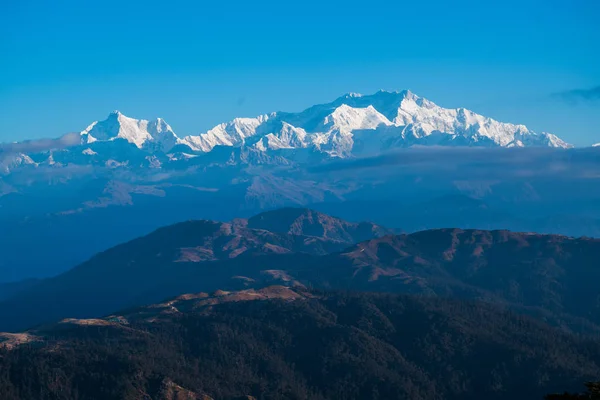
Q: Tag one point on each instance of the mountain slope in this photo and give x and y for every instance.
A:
(189, 256)
(300, 221)
(316, 345)
(9, 289)
(552, 277)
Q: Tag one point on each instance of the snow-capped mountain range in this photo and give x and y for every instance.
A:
(352, 124)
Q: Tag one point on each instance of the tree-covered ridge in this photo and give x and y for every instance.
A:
(592, 393)
(312, 345)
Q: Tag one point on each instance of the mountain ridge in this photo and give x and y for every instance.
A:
(136, 267)
(550, 276)
(317, 344)
(351, 125)
(329, 127)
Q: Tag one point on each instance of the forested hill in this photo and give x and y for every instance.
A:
(281, 343)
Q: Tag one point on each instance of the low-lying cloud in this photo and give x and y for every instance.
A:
(40, 145)
(475, 162)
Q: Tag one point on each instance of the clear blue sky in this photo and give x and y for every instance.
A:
(64, 64)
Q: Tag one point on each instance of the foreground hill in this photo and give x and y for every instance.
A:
(281, 343)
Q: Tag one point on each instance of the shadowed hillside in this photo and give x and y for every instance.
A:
(549, 276)
(279, 343)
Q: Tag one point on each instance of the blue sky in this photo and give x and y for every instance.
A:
(67, 63)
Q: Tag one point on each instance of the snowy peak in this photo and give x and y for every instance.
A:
(142, 133)
(14, 161)
(396, 106)
(347, 119)
(379, 121)
(425, 119)
(350, 125)
(353, 125)
(287, 137)
(233, 133)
